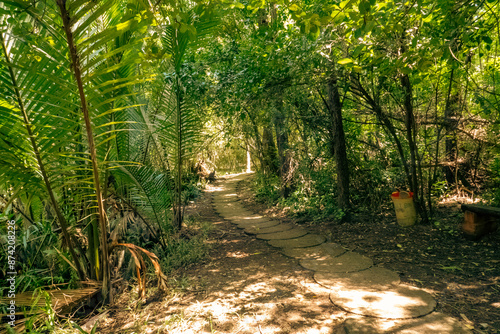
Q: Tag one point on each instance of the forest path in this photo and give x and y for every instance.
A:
(254, 281)
(372, 297)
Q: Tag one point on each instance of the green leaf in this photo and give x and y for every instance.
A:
(337, 16)
(406, 70)
(364, 7)
(424, 64)
(357, 50)
(358, 33)
(345, 3)
(369, 26)
(294, 7)
(345, 61)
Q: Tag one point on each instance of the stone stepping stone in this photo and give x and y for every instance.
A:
(246, 223)
(271, 229)
(331, 249)
(434, 323)
(222, 201)
(234, 212)
(375, 278)
(401, 302)
(290, 234)
(233, 216)
(226, 193)
(224, 205)
(346, 263)
(308, 240)
(259, 225)
(250, 219)
(231, 209)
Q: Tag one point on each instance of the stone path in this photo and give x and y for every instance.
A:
(373, 296)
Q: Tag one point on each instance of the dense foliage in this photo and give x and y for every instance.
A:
(98, 123)
(349, 101)
(107, 106)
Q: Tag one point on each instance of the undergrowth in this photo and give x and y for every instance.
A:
(314, 191)
(310, 199)
(493, 189)
(186, 248)
(40, 263)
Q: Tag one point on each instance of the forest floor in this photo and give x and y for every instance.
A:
(246, 286)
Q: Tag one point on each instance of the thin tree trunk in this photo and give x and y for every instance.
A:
(75, 62)
(451, 132)
(258, 141)
(280, 126)
(338, 146)
(359, 90)
(60, 217)
(178, 187)
(269, 152)
(410, 137)
(433, 179)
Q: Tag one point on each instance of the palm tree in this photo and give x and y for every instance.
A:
(73, 119)
(182, 26)
(68, 115)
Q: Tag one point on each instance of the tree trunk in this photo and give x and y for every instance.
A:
(281, 128)
(338, 144)
(178, 207)
(258, 141)
(75, 62)
(269, 158)
(410, 137)
(450, 143)
(360, 91)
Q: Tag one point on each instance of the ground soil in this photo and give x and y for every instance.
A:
(246, 286)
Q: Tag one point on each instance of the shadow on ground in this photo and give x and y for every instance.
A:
(244, 286)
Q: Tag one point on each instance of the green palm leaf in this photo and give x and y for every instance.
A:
(70, 152)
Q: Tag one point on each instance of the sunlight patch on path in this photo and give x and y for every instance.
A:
(400, 302)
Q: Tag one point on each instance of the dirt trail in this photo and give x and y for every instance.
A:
(245, 286)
